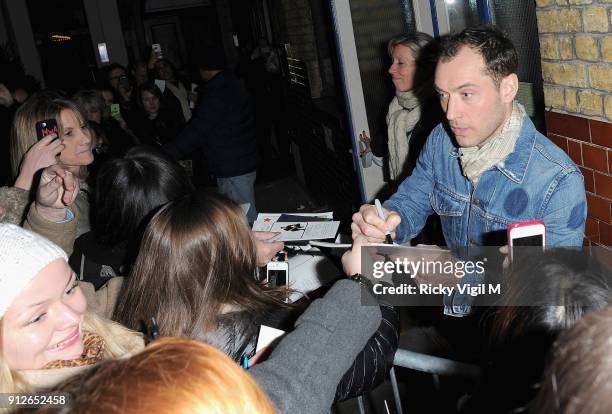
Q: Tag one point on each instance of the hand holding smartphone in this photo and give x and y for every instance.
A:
(526, 233)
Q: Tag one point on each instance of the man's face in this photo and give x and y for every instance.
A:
(475, 107)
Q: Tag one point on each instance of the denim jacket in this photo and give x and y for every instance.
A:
(536, 181)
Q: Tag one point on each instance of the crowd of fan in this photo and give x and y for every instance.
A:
(103, 231)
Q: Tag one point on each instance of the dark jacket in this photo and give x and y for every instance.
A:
(301, 374)
(223, 126)
(158, 131)
(237, 335)
(431, 116)
(95, 262)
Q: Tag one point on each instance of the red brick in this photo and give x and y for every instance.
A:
(591, 228)
(589, 182)
(559, 141)
(610, 160)
(574, 151)
(568, 126)
(605, 234)
(598, 208)
(603, 255)
(603, 185)
(601, 133)
(595, 158)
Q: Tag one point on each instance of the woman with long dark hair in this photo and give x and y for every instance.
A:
(201, 250)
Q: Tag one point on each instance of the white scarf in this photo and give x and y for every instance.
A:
(183, 97)
(403, 114)
(475, 161)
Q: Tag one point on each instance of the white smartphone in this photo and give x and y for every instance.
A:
(157, 50)
(277, 274)
(526, 233)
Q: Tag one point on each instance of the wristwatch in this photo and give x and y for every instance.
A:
(362, 280)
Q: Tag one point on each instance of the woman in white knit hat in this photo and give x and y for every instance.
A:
(45, 331)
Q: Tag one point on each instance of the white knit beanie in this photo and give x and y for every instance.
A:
(22, 255)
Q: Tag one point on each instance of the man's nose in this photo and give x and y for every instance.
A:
(451, 108)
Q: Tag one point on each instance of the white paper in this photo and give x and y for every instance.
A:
(298, 230)
(309, 271)
(267, 335)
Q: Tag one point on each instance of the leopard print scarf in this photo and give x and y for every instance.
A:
(93, 352)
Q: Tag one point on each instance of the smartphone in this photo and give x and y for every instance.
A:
(277, 274)
(157, 50)
(115, 110)
(46, 127)
(526, 233)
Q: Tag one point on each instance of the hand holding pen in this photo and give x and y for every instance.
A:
(376, 224)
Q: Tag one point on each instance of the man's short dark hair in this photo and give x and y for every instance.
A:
(496, 49)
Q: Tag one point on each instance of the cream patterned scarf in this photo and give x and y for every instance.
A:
(403, 114)
(183, 97)
(475, 161)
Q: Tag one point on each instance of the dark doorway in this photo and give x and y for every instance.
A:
(64, 44)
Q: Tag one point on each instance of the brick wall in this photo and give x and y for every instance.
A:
(589, 143)
(576, 50)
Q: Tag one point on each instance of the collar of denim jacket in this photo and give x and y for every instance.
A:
(515, 164)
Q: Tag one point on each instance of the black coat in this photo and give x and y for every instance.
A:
(223, 127)
(158, 131)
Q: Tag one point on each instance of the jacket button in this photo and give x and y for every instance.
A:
(476, 201)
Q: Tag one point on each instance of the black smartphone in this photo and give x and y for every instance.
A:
(46, 127)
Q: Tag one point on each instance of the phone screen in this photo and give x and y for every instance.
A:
(520, 246)
(528, 241)
(277, 278)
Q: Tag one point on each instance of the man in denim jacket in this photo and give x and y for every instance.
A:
(487, 166)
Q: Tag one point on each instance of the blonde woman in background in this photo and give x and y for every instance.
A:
(414, 110)
(73, 133)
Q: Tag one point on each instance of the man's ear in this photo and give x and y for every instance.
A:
(508, 87)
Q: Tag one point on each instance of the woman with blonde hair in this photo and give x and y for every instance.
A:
(414, 111)
(171, 375)
(46, 333)
(73, 133)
